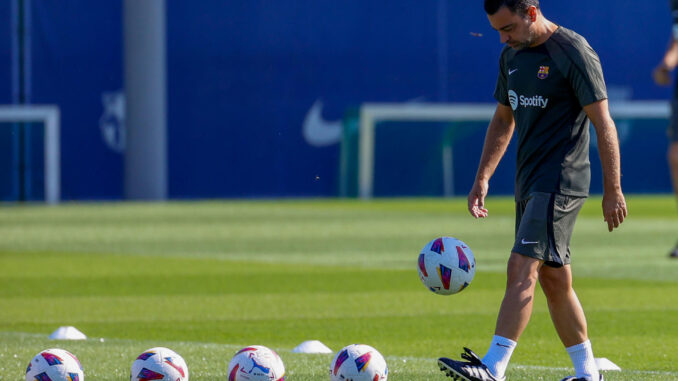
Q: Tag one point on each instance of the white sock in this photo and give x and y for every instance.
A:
(499, 354)
(583, 360)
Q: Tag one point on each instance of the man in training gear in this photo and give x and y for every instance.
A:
(550, 85)
(662, 76)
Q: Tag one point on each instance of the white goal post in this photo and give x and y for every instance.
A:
(49, 116)
(373, 113)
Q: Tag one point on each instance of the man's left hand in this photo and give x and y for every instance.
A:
(614, 209)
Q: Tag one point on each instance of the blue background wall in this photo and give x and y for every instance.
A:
(7, 162)
(243, 77)
(77, 56)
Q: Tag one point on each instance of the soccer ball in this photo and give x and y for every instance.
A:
(446, 265)
(256, 363)
(358, 362)
(54, 365)
(159, 364)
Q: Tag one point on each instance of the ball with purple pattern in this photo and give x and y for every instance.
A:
(54, 365)
(446, 265)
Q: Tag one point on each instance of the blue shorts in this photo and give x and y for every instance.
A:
(672, 131)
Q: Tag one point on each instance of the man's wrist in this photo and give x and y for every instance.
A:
(663, 66)
(612, 189)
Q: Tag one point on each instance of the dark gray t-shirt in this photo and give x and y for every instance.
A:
(547, 86)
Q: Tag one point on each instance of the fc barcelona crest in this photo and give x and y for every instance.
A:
(543, 72)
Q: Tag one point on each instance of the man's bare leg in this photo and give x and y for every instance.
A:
(568, 318)
(516, 308)
(514, 313)
(673, 166)
(566, 311)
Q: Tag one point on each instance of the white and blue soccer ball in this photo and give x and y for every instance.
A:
(358, 362)
(159, 363)
(256, 363)
(54, 365)
(446, 265)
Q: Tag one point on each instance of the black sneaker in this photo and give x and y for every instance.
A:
(471, 370)
(674, 253)
(583, 378)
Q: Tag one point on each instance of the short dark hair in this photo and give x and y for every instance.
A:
(515, 6)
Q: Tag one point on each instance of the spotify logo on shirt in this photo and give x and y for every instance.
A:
(521, 100)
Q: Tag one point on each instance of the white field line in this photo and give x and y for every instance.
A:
(289, 350)
(642, 372)
(539, 367)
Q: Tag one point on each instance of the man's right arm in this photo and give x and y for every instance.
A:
(661, 73)
(498, 137)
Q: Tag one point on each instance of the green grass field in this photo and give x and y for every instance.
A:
(206, 278)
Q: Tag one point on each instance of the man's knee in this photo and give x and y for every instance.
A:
(555, 281)
(522, 269)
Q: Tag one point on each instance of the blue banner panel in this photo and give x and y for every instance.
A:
(258, 90)
(8, 162)
(77, 64)
(6, 52)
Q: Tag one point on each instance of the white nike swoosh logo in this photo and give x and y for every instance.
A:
(318, 131)
(512, 71)
(528, 242)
